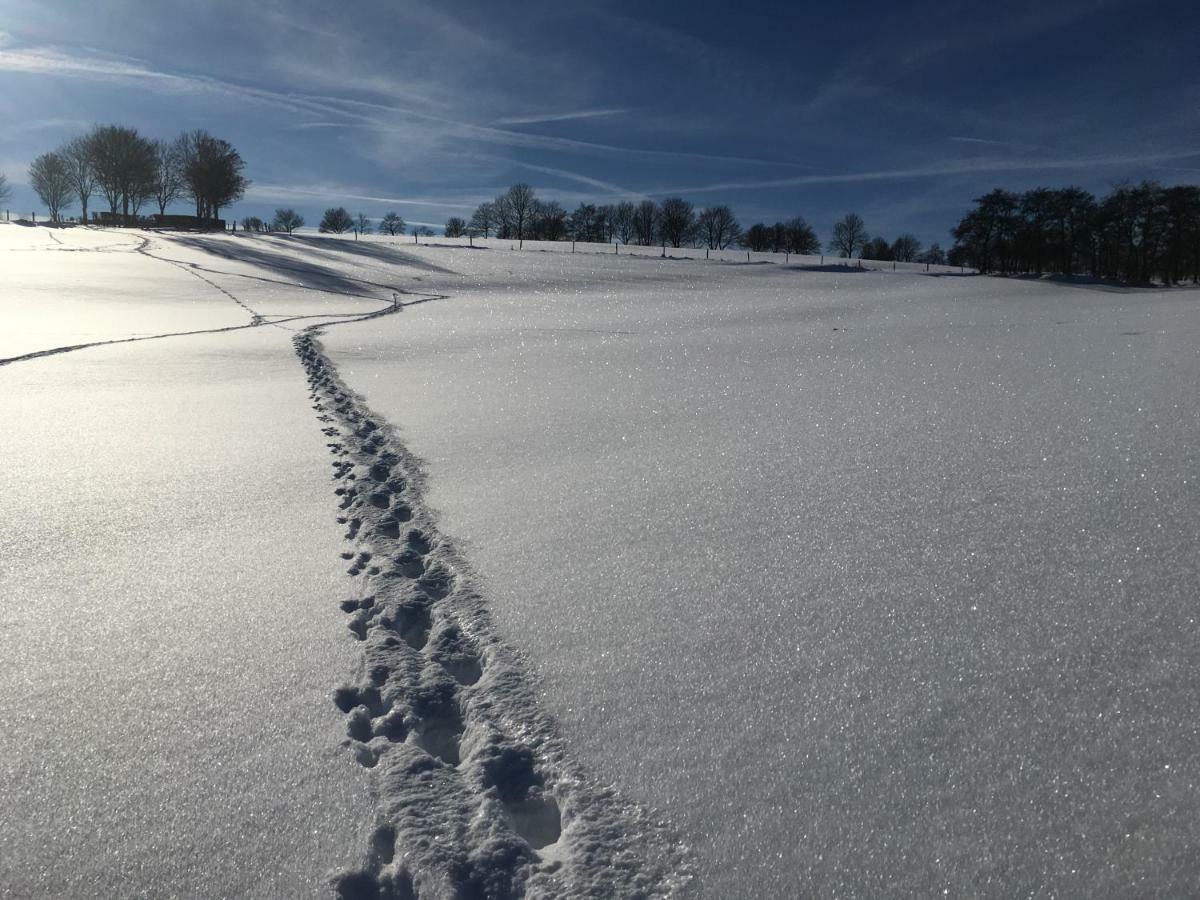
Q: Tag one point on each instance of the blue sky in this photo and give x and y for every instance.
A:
(901, 112)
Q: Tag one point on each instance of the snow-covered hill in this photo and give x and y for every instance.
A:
(849, 583)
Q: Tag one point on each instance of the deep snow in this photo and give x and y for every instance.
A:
(870, 583)
(874, 584)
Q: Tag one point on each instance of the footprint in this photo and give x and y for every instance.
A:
(409, 564)
(414, 622)
(438, 727)
(417, 541)
(533, 812)
(457, 655)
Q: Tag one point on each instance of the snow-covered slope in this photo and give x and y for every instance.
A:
(874, 584)
(868, 583)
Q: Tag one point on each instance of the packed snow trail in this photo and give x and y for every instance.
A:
(479, 797)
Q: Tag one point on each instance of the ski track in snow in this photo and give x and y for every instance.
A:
(478, 797)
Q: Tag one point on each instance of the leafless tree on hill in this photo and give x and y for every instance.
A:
(77, 153)
(168, 175)
(645, 222)
(335, 221)
(392, 224)
(677, 221)
(287, 220)
(849, 236)
(718, 227)
(50, 177)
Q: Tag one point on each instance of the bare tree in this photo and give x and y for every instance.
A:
(906, 248)
(455, 227)
(849, 236)
(5, 189)
(677, 222)
(516, 206)
(800, 238)
(483, 222)
(877, 248)
(645, 222)
(423, 231)
(253, 223)
(717, 227)
(212, 172)
(77, 153)
(362, 225)
(287, 220)
(548, 221)
(50, 177)
(168, 175)
(335, 221)
(124, 164)
(623, 221)
(392, 224)
(934, 256)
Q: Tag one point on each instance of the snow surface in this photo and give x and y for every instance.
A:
(169, 575)
(869, 583)
(874, 584)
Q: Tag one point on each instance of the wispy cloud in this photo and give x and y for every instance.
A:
(613, 189)
(84, 63)
(335, 193)
(560, 117)
(949, 167)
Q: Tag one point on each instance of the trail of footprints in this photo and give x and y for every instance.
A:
(467, 809)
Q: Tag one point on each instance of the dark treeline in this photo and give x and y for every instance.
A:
(518, 214)
(1138, 233)
(130, 171)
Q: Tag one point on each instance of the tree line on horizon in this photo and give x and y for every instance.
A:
(519, 214)
(1138, 233)
(129, 170)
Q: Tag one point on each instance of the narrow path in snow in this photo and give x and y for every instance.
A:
(479, 796)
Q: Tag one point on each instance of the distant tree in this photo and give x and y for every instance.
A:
(985, 236)
(758, 237)
(1180, 248)
(50, 178)
(718, 228)
(934, 256)
(392, 224)
(336, 221)
(645, 222)
(423, 231)
(878, 249)
(582, 225)
(548, 221)
(5, 189)
(124, 165)
(606, 223)
(849, 236)
(906, 248)
(287, 220)
(253, 223)
(455, 227)
(623, 220)
(677, 221)
(799, 237)
(361, 225)
(168, 175)
(483, 222)
(77, 154)
(515, 210)
(212, 172)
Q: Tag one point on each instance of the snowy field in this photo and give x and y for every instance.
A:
(671, 576)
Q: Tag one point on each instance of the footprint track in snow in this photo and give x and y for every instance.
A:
(474, 782)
